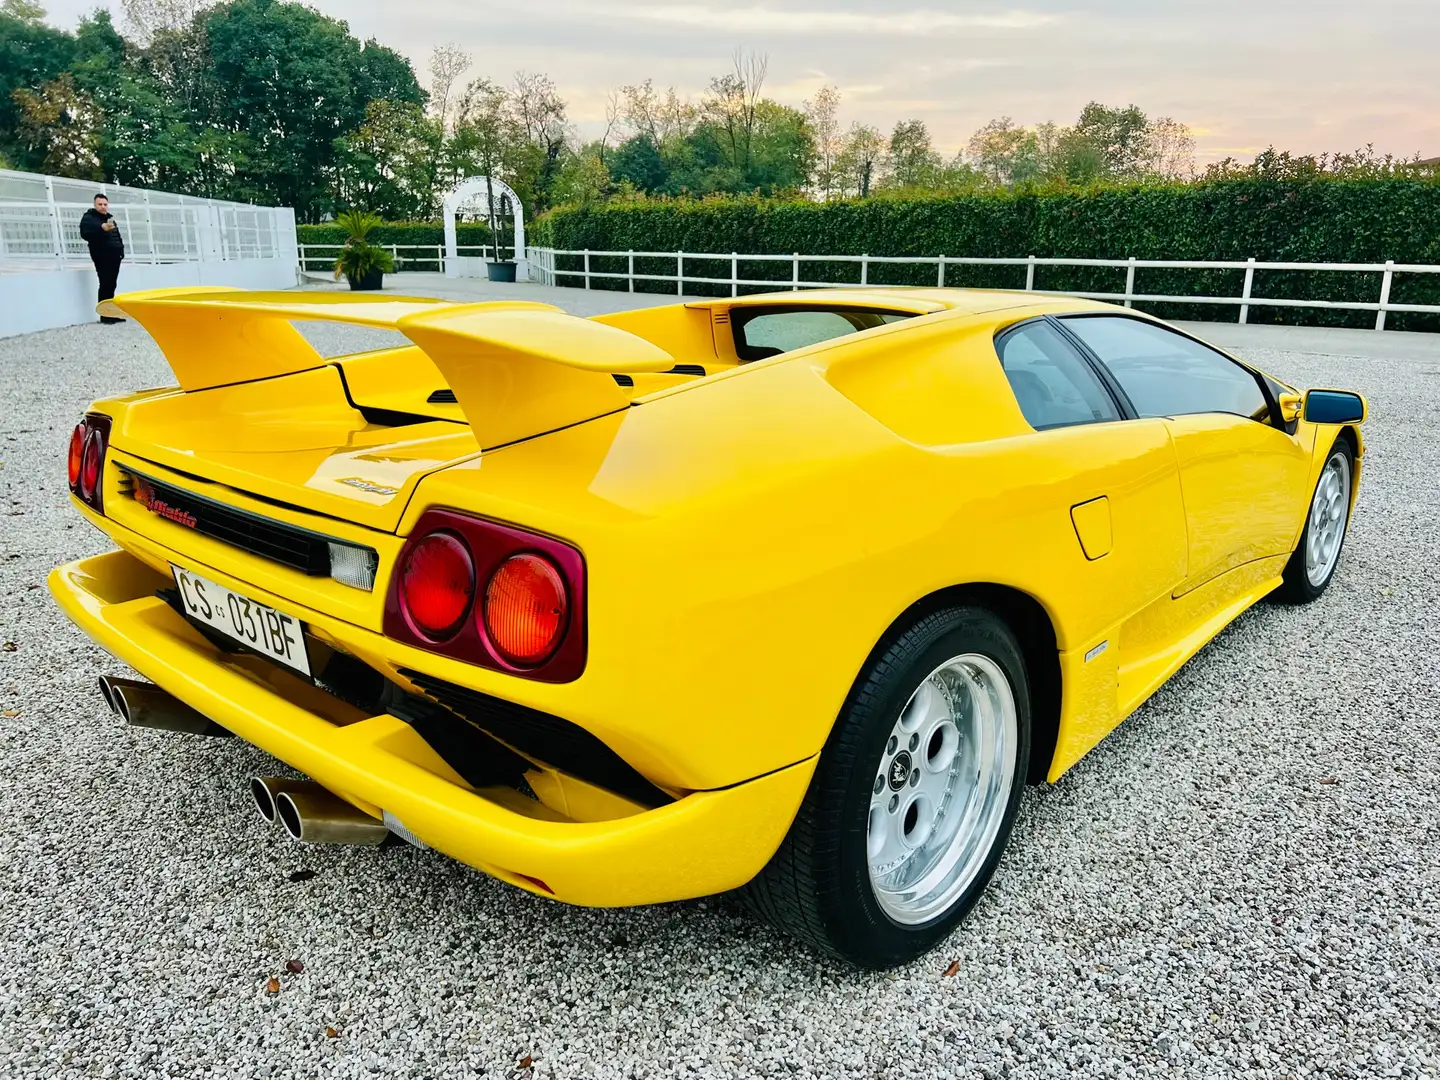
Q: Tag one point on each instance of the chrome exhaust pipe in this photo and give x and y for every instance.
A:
(107, 695)
(266, 789)
(314, 815)
(147, 706)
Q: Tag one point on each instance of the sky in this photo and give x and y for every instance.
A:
(1303, 75)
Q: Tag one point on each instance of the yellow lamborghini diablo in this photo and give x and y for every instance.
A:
(789, 592)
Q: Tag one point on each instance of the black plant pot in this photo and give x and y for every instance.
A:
(500, 271)
(370, 282)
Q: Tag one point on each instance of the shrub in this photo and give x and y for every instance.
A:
(1322, 220)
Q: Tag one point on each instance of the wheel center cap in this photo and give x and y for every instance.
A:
(900, 770)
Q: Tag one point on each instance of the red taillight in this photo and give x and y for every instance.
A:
(525, 608)
(527, 594)
(77, 450)
(437, 584)
(86, 464)
(90, 464)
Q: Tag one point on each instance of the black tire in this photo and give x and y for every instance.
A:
(817, 886)
(1297, 587)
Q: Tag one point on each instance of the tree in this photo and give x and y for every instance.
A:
(639, 162)
(538, 116)
(147, 18)
(730, 109)
(859, 159)
(31, 54)
(782, 153)
(1171, 149)
(60, 129)
(387, 165)
(911, 159)
(1005, 153)
(485, 139)
(1121, 138)
(583, 178)
(447, 63)
(821, 114)
(293, 81)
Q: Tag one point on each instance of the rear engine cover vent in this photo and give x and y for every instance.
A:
(623, 380)
(442, 397)
(686, 369)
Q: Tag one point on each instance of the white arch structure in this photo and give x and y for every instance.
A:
(469, 189)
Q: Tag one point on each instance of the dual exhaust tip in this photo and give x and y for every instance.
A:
(314, 814)
(145, 705)
(306, 810)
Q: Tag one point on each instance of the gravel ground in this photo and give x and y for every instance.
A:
(1243, 881)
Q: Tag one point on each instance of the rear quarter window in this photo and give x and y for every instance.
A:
(761, 332)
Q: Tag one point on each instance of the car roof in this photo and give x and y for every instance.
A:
(919, 300)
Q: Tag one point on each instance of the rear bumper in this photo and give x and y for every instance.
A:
(703, 843)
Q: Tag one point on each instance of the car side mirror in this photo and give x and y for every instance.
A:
(1291, 406)
(1334, 407)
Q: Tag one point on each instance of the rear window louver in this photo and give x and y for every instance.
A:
(442, 397)
(686, 369)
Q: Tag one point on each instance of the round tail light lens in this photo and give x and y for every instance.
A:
(90, 464)
(77, 453)
(525, 607)
(437, 584)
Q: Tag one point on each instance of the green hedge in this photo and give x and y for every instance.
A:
(430, 233)
(1340, 221)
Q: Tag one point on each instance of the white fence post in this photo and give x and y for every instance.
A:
(1245, 293)
(587, 268)
(679, 273)
(630, 275)
(940, 272)
(865, 269)
(1385, 293)
(795, 272)
(1030, 274)
(150, 228)
(1130, 282)
(56, 230)
(734, 274)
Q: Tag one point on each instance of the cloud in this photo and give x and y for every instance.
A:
(758, 19)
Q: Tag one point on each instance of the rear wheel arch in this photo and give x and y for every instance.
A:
(1033, 628)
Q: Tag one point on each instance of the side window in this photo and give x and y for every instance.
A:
(761, 333)
(1054, 384)
(1166, 374)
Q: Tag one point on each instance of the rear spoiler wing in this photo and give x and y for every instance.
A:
(517, 368)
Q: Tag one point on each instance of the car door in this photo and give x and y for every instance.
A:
(1241, 474)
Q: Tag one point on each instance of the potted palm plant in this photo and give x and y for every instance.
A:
(362, 263)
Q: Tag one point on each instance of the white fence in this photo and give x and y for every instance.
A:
(315, 258)
(543, 268)
(40, 225)
(46, 279)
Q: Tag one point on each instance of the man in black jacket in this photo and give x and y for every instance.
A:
(107, 248)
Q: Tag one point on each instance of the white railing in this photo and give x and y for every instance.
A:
(40, 224)
(543, 267)
(434, 254)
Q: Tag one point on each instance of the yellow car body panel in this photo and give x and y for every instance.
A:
(748, 537)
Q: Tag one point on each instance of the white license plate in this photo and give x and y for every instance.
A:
(269, 632)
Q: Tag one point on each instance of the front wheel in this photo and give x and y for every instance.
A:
(1313, 563)
(914, 796)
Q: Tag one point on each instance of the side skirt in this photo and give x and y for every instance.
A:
(1164, 635)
